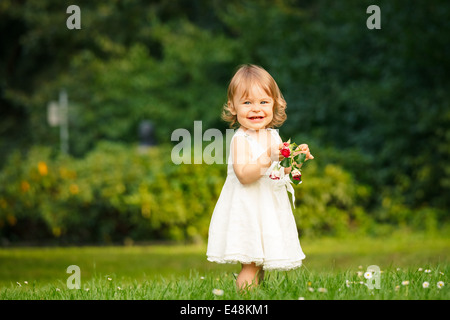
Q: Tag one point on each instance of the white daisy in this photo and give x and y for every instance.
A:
(440, 284)
(426, 284)
(217, 292)
(368, 275)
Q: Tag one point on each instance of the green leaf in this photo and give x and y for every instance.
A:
(285, 163)
(300, 158)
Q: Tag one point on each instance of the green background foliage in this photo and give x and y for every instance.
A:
(372, 104)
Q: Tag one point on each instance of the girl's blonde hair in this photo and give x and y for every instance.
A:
(246, 76)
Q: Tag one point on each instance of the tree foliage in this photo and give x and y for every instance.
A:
(378, 97)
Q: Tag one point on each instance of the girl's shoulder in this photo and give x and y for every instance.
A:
(275, 133)
(240, 138)
(240, 133)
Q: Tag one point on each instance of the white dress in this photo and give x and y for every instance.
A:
(254, 222)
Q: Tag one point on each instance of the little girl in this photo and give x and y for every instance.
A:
(253, 222)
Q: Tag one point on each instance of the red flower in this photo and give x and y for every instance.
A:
(285, 151)
(296, 175)
(275, 175)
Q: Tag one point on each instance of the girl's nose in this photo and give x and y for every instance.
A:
(256, 107)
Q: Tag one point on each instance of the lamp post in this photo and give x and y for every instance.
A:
(58, 115)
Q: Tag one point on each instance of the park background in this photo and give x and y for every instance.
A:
(373, 105)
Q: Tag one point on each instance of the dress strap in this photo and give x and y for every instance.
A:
(275, 134)
(255, 146)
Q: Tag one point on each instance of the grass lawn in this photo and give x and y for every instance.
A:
(333, 269)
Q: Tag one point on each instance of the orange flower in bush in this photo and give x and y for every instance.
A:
(42, 168)
(25, 186)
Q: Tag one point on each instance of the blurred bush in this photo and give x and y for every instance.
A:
(117, 193)
(380, 97)
(114, 193)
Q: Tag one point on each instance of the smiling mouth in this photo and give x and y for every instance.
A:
(256, 118)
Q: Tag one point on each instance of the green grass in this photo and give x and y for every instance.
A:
(182, 272)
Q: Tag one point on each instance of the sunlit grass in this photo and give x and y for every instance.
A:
(395, 284)
(414, 266)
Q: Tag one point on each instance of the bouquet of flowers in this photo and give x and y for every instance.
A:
(294, 156)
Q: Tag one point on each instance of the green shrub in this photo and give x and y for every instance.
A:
(120, 193)
(330, 202)
(113, 193)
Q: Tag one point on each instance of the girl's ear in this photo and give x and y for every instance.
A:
(231, 108)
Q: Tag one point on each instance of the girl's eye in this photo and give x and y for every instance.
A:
(247, 102)
(264, 102)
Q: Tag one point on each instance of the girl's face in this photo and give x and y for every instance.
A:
(254, 111)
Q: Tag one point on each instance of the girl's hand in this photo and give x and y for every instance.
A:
(303, 148)
(278, 152)
(274, 152)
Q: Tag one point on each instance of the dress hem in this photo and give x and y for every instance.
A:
(266, 265)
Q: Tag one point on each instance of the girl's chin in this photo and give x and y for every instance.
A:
(254, 124)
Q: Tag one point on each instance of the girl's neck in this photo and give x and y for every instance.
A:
(252, 131)
(259, 134)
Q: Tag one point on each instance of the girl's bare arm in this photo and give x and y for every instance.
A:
(246, 170)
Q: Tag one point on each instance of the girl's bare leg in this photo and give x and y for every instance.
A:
(250, 276)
